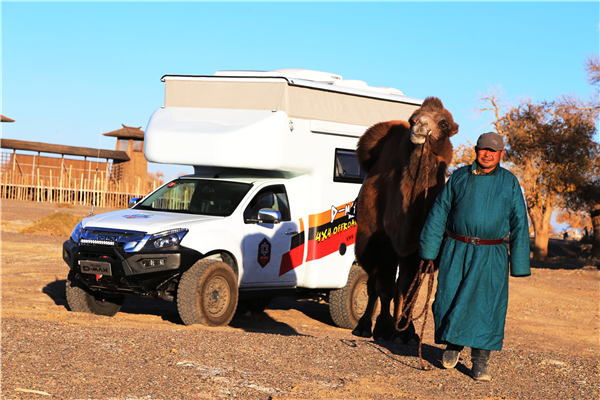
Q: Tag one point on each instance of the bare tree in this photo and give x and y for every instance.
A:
(527, 129)
(550, 148)
(583, 184)
(461, 156)
(492, 101)
(592, 67)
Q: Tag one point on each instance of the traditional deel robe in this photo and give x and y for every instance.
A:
(472, 293)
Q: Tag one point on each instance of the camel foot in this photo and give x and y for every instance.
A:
(407, 338)
(385, 328)
(358, 332)
(363, 329)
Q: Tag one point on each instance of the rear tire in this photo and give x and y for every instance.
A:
(80, 299)
(207, 294)
(348, 304)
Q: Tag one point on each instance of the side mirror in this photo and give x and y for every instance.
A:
(269, 216)
(133, 201)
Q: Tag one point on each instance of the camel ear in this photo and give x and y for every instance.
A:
(453, 129)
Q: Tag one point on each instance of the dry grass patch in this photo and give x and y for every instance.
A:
(57, 224)
(65, 205)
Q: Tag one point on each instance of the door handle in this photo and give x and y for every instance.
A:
(289, 233)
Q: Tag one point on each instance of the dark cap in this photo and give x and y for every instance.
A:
(490, 140)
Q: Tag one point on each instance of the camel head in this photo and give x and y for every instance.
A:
(432, 122)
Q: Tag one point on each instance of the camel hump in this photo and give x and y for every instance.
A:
(372, 142)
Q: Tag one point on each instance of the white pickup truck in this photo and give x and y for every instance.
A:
(269, 210)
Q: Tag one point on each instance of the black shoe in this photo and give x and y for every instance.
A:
(451, 355)
(480, 359)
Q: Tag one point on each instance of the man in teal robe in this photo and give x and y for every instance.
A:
(480, 205)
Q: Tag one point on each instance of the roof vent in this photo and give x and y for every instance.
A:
(387, 90)
(309, 75)
(353, 83)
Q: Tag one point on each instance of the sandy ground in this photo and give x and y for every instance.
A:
(291, 351)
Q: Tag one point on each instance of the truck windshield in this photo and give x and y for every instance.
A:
(197, 196)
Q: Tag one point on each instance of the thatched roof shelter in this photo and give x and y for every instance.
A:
(6, 119)
(127, 132)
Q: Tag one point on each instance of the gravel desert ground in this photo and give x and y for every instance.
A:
(291, 351)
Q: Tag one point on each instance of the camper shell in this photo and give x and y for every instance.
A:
(269, 210)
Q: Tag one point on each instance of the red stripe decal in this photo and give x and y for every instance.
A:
(291, 259)
(329, 239)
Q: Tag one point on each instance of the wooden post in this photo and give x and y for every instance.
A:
(50, 195)
(70, 183)
(20, 187)
(30, 195)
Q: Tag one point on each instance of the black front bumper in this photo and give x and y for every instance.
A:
(142, 273)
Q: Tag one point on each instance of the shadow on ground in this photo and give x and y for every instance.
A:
(252, 321)
(132, 305)
(261, 322)
(248, 321)
(312, 308)
(432, 355)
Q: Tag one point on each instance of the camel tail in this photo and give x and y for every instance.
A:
(371, 143)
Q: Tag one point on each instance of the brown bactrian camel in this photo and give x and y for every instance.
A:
(401, 159)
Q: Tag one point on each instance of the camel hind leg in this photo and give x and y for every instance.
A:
(364, 326)
(380, 261)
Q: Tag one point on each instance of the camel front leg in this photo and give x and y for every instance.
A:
(408, 269)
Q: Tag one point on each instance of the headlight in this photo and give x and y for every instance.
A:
(166, 239)
(76, 234)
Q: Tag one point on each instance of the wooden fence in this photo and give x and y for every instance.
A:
(99, 189)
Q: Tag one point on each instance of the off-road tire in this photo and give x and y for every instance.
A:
(348, 304)
(207, 294)
(80, 299)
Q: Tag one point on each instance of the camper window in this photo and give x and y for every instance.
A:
(346, 167)
(273, 197)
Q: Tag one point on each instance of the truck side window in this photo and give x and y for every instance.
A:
(273, 197)
(346, 167)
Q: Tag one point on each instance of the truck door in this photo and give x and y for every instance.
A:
(267, 246)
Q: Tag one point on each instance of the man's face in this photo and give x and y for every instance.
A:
(488, 158)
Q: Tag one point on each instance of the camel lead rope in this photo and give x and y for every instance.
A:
(408, 308)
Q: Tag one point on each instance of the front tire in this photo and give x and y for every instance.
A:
(207, 294)
(80, 299)
(348, 304)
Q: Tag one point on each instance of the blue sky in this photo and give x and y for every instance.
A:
(73, 70)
